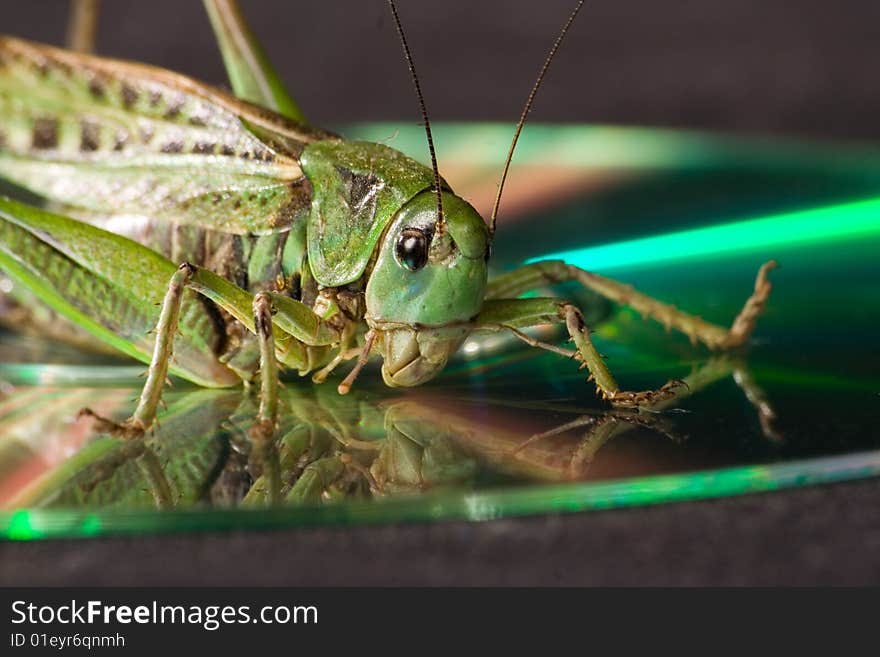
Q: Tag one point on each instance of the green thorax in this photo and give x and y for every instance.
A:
(358, 187)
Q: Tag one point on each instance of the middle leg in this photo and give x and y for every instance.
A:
(715, 337)
(512, 314)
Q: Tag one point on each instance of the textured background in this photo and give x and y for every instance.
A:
(801, 67)
(814, 536)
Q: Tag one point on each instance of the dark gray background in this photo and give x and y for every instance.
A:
(763, 66)
(801, 67)
(826, 535)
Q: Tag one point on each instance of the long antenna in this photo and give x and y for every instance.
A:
(527, 109)
(441, 222)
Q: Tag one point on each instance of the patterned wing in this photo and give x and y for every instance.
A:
(116, 139)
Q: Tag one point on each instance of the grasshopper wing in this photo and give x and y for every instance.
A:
(108, 285)
(107, 138)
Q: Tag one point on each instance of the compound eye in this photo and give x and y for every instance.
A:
(412, 248)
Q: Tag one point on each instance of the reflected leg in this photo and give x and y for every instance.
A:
(756, 396)
(600, 428)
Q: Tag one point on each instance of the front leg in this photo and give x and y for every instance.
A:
(512, 314)
(715, 337)
(291, 336)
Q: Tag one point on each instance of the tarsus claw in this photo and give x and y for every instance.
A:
(127, 430)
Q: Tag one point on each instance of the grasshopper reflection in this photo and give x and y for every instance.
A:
(330, 448)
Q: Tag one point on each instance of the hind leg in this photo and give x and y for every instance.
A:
(82, 25)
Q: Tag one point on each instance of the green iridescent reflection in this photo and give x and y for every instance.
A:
(819, 225)
(476, 506)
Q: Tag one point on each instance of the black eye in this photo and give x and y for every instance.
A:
(412, 249)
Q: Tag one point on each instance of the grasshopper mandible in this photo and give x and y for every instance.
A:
(298, 247)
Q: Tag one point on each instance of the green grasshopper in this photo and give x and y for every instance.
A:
(299, 248)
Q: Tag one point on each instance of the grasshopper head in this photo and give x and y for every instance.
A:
(427, 286)
(429, 278)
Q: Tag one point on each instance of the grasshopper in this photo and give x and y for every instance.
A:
(299, 249)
